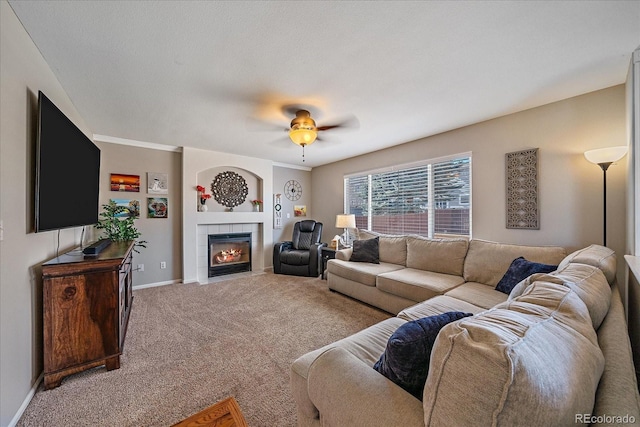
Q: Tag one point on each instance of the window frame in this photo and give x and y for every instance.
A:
(431, 206)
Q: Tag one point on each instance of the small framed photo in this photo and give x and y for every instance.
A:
(157, 183)
(158, 207)
(300, 210)
(123, 182)
(132, 208)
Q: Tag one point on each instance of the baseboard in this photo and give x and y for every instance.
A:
(26, 401)
(153, 285)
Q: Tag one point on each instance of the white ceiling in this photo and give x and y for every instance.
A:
(193, 73)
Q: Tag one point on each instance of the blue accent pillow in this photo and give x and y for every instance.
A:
(366, 251)
(519, 270)
(405, 360)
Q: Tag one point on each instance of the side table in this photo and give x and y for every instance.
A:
(326, 253)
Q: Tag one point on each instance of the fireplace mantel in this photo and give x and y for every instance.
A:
(231, 217)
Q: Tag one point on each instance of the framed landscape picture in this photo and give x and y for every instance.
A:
(132, 208)
(123, 182)
(158, 207)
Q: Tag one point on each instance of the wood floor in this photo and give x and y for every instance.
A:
(225, 413)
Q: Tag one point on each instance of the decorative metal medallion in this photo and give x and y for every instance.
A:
(522, 189)
(293, 190)
(229, 189)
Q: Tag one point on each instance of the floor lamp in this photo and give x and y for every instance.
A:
(604, 157)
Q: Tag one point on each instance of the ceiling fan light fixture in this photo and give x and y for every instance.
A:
(303, 136)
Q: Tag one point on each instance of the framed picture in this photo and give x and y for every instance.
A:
(157, 183)
(122, 182)
(158, 207)
(132, 208)
(300, 210)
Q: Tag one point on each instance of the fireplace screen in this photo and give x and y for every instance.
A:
(229, 253)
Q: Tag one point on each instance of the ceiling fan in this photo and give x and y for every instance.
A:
(303, 129)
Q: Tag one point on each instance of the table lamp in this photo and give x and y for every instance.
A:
(346, 221)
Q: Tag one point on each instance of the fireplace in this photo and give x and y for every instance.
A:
(229, 253)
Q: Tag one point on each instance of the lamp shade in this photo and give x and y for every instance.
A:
(345, 221)
(302, 136)
(606, 155)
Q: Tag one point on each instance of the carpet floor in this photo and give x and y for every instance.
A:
(190, 346)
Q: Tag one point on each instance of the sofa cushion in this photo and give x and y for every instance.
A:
(597, 256)
(393, 249)
(366, 251)
(486, 262)
(405, 360)
(417, 285)
(478, 294)
(533, 361)
(519, 270)
(361, 272)
(587, 281)
(438, 305)
(438, 255)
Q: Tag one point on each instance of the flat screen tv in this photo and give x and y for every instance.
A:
(67, 172)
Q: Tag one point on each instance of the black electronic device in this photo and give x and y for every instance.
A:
(96, 247)
(67, 172)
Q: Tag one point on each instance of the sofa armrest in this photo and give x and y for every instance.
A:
(344, 254)
(618, 389)
(348, 392)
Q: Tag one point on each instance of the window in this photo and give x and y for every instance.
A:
(430, 199)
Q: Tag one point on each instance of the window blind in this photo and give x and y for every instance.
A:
(429, 199)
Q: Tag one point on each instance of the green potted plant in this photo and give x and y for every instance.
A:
(118, 229)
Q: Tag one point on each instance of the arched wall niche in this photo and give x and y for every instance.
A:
(255, 186)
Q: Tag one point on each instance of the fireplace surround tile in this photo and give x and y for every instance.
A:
(203, 246)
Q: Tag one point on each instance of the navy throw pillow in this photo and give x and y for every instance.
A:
(366, 251)
(519, 270)
(405, 360)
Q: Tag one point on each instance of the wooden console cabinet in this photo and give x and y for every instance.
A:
(86, 305)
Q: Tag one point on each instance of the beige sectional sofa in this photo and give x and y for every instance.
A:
(553, 352)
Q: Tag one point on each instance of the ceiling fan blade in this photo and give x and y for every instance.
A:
(350, 122)
(257, 125)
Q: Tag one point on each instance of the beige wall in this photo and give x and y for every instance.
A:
(23, 72)
(280, 177)
(163, 236)
(570, 188)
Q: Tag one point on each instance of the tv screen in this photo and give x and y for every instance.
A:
(67, 172)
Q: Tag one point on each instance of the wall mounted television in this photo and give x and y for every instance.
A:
(67, 172)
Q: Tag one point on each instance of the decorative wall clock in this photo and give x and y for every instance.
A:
(293, 190)
(229, 189)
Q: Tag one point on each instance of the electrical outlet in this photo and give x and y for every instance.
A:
(140, 267)
(163, 264)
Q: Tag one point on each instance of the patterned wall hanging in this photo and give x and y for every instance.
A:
(522, 189)
(229, 189)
